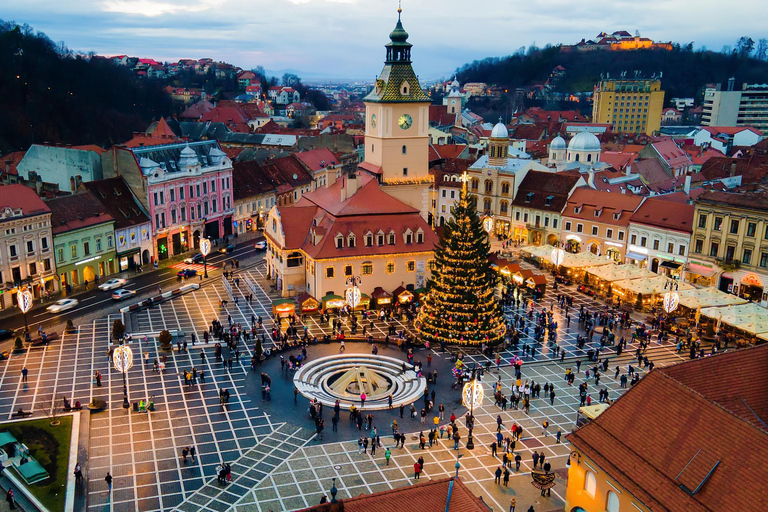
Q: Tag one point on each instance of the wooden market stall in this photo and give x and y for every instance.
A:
(282, 308)
(308, 305)
(381, 298)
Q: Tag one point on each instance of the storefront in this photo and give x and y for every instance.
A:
(700, 273)
(86, 271)
(520, 233)
(573, 244)
(501, 228)
(748, 285)
(613, 254)
(671, 269)
(129, 260)
(638, 256)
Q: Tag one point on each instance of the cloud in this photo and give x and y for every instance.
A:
(151, 9)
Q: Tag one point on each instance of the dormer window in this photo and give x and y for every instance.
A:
(598, 212)
(408, 238)
(404, 89)
(528, 197)
(351, 241)
(369, 240)
(616, 216)
(548, 200)
(391, 238)
(339, 241)
(577, 209)
(380, 239)
(419, 237)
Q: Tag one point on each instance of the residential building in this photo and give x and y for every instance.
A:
(448, 181)
(659, 234)
(83, 239)
(324, 166)
(397, 126)
(723, 138)
(730, 243)
(598, 222)
(133, 229)
(629, 105)
(745, 107)
(671, 116)
(65, 166)
(654, 448)
(350, 228)
(255, 193)
(672, 158)
(284, 95)
(26, 245)
(185, 187)
(536, 210)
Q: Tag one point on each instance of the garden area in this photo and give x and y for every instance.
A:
(50, 447)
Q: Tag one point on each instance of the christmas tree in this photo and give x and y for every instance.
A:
(459, 306)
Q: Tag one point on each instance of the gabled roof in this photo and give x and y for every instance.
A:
(11, 161)
(724, 167)
(317, 159)
(730, 130)
(116, 197)
(76, 211)
(446, 150)
(369, 199)
(528, 132)
(439, 116)
(197, 110)
(671, 153)
(546, 191)
(695, 424)
(651, 171)
(667, 212)
(20, 196)
(757, 200)
(608, 203)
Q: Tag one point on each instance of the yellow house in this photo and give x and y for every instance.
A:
(629, 105)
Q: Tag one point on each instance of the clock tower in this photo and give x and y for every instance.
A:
(397, 125)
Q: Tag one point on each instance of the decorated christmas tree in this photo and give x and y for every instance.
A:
(459, 306)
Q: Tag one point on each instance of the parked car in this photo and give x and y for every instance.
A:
(5, 334)
(112, 284)
(197, 258)
(260, 246)
(227, 249)
(187, 272)
(63, 305)
(122, 294)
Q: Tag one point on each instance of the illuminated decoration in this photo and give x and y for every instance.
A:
(25, 301)
(573, 237)
(472, 394)
(488, 224)
(671, 301)
(751, 280)
(122, 358)
(353, 296)
(335, 303)
(558, 256)
(408, 181)
(384, 300)
(163, 248)
(205, 246)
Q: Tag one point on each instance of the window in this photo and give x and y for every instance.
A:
(391, 239)
(488, 186)
(162, 217)
(44, 243)
(612, 502)
(681, 250)
(443, 192)
(191, 191)
(60, 255)
(670, 247)
(656, 245)
(367, 268)
(746, 257)
(698, 246)
(579, 228)
(162, 198)
(714, 248)
(590, 483)
(183, 213)
(751, 229)
(205, 187)
(643, 241)
(567, 225)
(621, 235)
(181, 193)
(404, 150)
(525, 217)
(548, 200)
(730, 251)
(154, 196)
(528, 197)
(369, 240)
(405, 171)
(351, 241)
(718, 223)
(86, 248)
(173, 216)
(173, 194)
(608, 233)
(30, 247)
(764, 259)
(390, 267)
(410, 266)
(505, 188)
(546, 222)
(503, 207)
(339, 242)
(12, 251)
(554, 223)
(213, 185)
(98, 245)
(46, 264)
(347, 270)
(594, 231)
(380, 240)
(419, 238)
(475, 184)
(517, 216)
(73, 250)
(329, 272)
(734, 227)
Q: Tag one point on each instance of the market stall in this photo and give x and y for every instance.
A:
(332, 301)
(381, 298)
(644, 292)
(282, 308)
(402, 296)
(307, 304)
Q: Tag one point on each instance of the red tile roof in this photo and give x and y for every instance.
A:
(695, 424)
(544, 185)
(757, 200)
(528, 132)
(77, 211)
(197, 110)
(666, 211)
(317, 159)
(226, 115)
(20, 196)
(671, 153)
(91, 147)
(609, 202)
(438, 115)
(446, 151)
(618, 161)
(724, 167)
(430, 496)
(370, 199)
(116, 197)
(730, 130)
(11, 160)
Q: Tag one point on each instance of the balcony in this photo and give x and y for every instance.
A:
(728, 264)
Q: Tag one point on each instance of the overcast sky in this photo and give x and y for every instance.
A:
(345, 38)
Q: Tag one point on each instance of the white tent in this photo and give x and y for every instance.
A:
(708, 297)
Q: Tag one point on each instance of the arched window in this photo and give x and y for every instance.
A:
(505, 187)
(589, 158)
(488, 186)
(577, 157)
(503, 207)
(487, 206)
(475, 184)
(590, 483)
(404, 150)
(612, 502)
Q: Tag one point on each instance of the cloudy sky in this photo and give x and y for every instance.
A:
(345, 38)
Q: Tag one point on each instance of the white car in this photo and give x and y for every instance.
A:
(112, 284)
(122, 294)
(260, 246)
(62, 305)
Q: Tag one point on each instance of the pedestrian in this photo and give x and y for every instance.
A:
(108, 479)
(184, 454)
(387, 455)
(493, 449)
(24, 374)
(78, 473)
(498, 475)
(557, 436)
(416, 470)
(518, 460)
(402, 409)
(9, 498)
(192, 453)
(512, 504)
(506, 477)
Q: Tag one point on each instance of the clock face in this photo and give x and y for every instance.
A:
(405, 121)
(373, 121)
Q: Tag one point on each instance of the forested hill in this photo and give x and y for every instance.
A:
(50, 94)
(685, 71)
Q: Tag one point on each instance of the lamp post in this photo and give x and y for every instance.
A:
(122, 358)
(205, 249)
(25, 304)
(472, 396)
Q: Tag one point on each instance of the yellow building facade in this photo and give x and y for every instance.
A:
(632, 106)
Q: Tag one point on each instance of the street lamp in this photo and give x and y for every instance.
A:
(122, 358)
(205, 249)
(472, 396)
(25, 304)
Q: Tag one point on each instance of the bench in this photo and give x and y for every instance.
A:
(21, 414)
(39, 341)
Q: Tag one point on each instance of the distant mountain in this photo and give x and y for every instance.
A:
(684, 71)
(50, 94)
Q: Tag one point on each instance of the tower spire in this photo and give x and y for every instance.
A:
(399, 8)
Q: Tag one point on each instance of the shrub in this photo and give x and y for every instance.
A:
(165, 339)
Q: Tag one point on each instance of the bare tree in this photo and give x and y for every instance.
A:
(50, 409)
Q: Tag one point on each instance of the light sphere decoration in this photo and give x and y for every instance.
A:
(558, 256)
(670, 302)
(353, 296)
(25, 301)
(488, 224)
(205, 246)
(122, 358)
(472, 394)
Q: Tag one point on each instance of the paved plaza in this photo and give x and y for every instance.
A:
(278, 463)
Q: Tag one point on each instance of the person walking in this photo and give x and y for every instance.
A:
(512, 504)
(78, 473)
(416, 470)
(535, 458)
(24, 374)
(192, 453)
(108, 479)
(9, 498)
(506, 477)
(387, 455)
(498, 475)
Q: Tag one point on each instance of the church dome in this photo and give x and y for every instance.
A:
(455, 83)
(499, 131)
(398, 35)
(584, 141)
(557, 143)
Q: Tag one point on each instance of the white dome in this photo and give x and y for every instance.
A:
(499, 131)
(455, 83)
(557, 143)
(584, 141)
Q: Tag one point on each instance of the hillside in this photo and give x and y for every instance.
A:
(49, 94)
(685, 72)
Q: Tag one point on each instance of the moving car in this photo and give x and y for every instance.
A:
(112, 284)
(122, 294)
(5, 334)
(63, 305)
(260, 246)
(187, 272)
(227, 249)
(197, 258)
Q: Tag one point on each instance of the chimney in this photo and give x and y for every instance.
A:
(591, 178)
(628, 170)
(731, 83)
(352, 184)
(687, 185)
